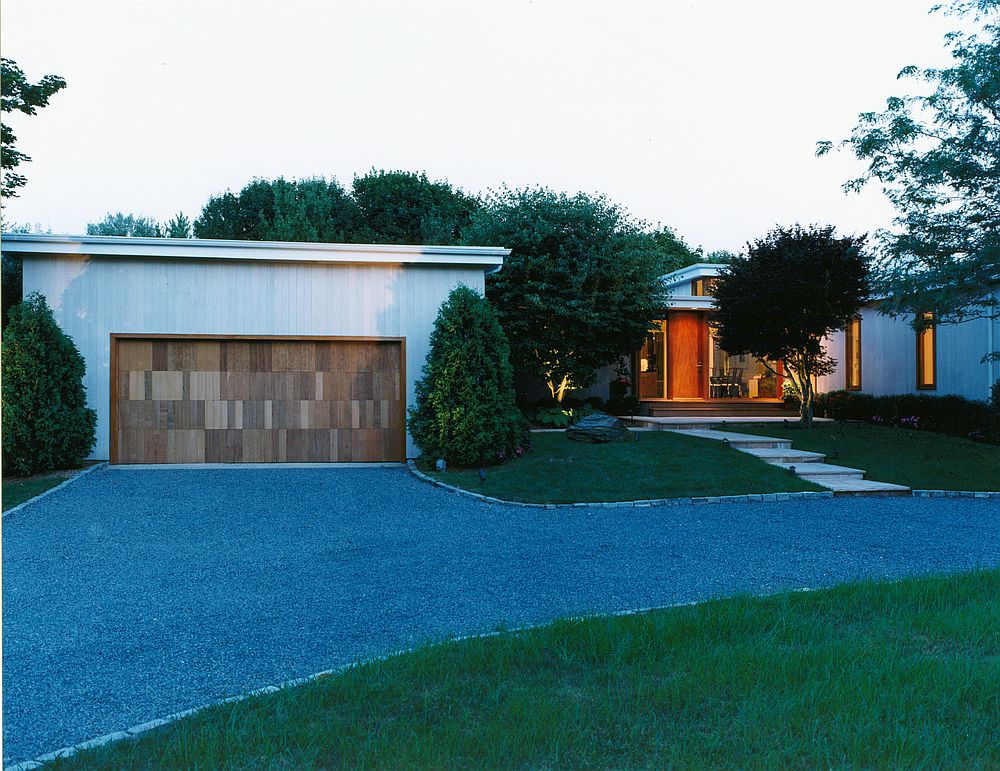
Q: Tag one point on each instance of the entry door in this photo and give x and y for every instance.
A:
(687, 346)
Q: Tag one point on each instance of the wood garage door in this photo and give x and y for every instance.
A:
(262, 400)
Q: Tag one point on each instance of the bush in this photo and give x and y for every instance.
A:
(465, 410)
(46, 422)
(790, 394)
(954, 415)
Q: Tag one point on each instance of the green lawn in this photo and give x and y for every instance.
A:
(659, 465)
(17, 491)
(872, 675)
(918, 459)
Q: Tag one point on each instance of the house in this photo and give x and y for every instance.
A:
(245, 351)
(681, 366)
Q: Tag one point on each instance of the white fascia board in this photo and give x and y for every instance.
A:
(698, 270)
(489, 258)
(688, 302)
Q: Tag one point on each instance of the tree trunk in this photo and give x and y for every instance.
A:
(558, 392)
(806, 408)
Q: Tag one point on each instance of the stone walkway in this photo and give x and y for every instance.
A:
(810, 466)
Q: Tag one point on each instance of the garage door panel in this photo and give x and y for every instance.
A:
(257, 400)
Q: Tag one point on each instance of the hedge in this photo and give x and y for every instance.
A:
(953, 415)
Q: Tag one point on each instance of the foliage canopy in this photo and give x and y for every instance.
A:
(46, 421)
(936, 155)
(18, 93)
(580, 286)
(793, 288)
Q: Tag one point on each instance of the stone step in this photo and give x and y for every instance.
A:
(812, 470)
(851, 486)
(734, 439)
(784, 455)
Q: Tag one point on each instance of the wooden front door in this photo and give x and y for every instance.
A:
(233, 400)
(687, 346)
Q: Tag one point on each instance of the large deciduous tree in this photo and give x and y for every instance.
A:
(26, 97)
(936, 155)
(579, 288)
(312, 209)
(791, 290)
(399, 207)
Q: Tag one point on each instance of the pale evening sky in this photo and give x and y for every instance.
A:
(703, 116)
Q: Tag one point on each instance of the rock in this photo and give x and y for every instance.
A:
(598, 428)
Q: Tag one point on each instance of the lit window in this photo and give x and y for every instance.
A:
(852, 354)
(927, 353)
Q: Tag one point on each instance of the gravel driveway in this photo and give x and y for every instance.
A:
(131, 594)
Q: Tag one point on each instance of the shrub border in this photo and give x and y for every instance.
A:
(51, 490)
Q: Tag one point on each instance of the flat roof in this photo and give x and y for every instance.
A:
(489, 258)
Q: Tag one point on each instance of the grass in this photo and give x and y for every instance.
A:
(871, 675)
(918, 459)
(17, 491)
(659, 465)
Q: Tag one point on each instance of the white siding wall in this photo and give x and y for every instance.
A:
(95, 296)
(888, 357)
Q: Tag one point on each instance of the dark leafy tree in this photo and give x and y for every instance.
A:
(936, 155)
(579, 288)
(281, 210)
(792, 289)
(675, 254)
(178, 226)
(46, 421)
(399, 207)
(26, 97)
(13, 271)
(119, 224)
(465, 410)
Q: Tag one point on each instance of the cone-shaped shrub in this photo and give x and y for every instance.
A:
(46, 421)
(465, 410)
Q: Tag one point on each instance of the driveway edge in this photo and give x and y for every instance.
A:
(51, 490)
(137, 730)
(641, 504)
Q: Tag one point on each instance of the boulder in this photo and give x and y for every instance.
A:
(598, 428)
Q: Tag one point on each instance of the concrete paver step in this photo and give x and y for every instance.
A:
(850, 485)
(783, 455)
(736, 439)
(815, 469)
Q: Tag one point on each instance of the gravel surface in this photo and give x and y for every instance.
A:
(130, 594)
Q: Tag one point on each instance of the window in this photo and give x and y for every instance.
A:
(852, 355)
(927, 353)
(703, 287)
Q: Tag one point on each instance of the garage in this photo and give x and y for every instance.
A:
(203, 351)
(257, 400)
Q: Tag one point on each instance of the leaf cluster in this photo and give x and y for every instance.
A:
(465, 410)
(46, 422)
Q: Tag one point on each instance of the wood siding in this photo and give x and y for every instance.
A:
(242, 400)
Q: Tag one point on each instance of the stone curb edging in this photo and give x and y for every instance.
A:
(955, 494)
(642, 504)
(51, 490)
(137, 730)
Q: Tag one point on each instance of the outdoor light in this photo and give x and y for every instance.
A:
(441, 464)
(482, 475)
(791, 470)
(725, 442)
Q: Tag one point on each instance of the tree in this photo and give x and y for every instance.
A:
(281, 210)
(46, 421)
(793, 288)
(465, 410)
(119, 224)
(675, 254)
(579, 288)
(178, 226)
(19, 94)
(399, 207)
(937, 157)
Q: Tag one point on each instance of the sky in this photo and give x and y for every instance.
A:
(702, 116)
